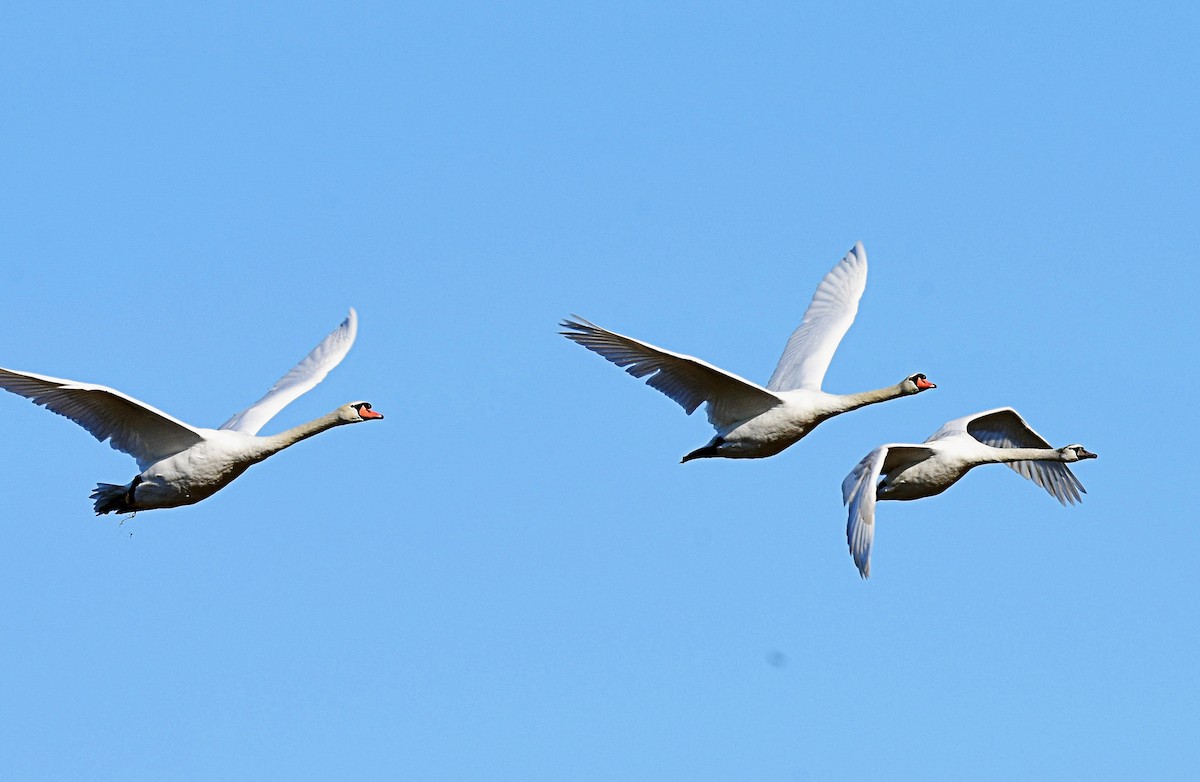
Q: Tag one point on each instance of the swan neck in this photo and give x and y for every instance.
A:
(277, 442)
(1006, 455)
(864, 398)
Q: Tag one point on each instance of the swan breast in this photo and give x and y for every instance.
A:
(926, 478)
(777, 428)
(199, 471)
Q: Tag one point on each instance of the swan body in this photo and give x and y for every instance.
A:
(181, 464)
(754, 421)
(901, 471)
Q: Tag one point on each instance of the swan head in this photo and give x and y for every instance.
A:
(915, 384)
(356, 412)
(1075, 452)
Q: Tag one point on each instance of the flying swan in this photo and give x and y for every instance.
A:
(182, 464)
(753, 422)
(910, 472)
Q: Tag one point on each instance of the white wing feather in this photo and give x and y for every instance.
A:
(811, 347)
(858, 491)
(302, 378)
(130, 426)
(685, 379)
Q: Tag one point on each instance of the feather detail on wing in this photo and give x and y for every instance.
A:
(130, 426)
(811, 347)
(859, 492)
(685, 379)
(300, 379)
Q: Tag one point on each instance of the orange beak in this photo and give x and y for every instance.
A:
(924, 384)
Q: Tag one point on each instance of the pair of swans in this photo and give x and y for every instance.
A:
(182, 464)
(754, 421)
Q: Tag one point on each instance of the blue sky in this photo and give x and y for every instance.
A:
(512, 577)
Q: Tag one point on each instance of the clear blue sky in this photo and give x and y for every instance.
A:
(512, 577)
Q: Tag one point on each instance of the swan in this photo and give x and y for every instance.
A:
(182, 464)
(911, 472)
(753, 422)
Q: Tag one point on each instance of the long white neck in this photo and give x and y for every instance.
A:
(277, 442)
(848, 402)
(1006, 455)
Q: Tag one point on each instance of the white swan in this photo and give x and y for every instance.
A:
(181, 464)
(911, 472)
(753, 421)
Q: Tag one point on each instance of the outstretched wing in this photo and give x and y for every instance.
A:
(130, 426)
(1005, 428)
(302, 378)
(811, 347)
(689, 381)
(858, 491)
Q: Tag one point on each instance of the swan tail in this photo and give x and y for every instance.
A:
(707, 452)
(112, 498)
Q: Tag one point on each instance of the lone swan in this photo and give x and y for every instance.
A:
(182, 464)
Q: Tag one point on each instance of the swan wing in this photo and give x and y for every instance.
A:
(687, 380)
(811, 347)
(302, 378)
(1005, 428)
(130, 426)
(858, 491)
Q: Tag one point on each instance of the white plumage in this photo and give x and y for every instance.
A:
(910, 471)
(753, 421)
(182, 464)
